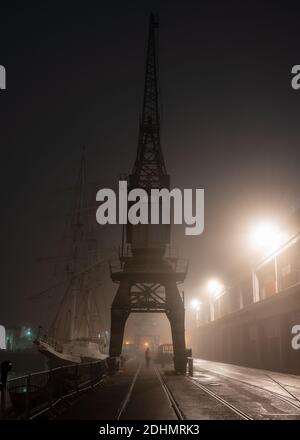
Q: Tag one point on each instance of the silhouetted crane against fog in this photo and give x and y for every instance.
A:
(147, 278)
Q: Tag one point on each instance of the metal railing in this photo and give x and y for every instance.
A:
(30, 395)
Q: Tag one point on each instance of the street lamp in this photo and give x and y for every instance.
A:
(215, 287)
(266, 236)
(269, 239)
(28, 333)
(195, 304)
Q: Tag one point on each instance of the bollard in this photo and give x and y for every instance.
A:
(113, 363)
(6, 366)
(3, 400)
(191, 366)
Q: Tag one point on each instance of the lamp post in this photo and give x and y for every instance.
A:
(196, 306)
(214, 288)
(266, 238)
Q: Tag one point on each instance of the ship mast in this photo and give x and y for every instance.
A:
(77, 228)
(74, 310)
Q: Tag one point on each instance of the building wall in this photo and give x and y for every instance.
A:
(259, 335)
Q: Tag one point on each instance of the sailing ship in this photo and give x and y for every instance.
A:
(76, 333)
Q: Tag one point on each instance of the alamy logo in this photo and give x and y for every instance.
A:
(153, 209)
(296, 338)
(2, 338)
(2, 78)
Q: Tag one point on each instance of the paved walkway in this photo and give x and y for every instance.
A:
(217, 392)
(147, 400)
(134, 393)
(252, 376)
(104, 402)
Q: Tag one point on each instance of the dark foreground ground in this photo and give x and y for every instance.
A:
(216, 392)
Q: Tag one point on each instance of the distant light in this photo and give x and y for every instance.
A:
(127, 343)
(215, 287)
(196, 304)
(267, 236)
(28, 332)
(146, 344)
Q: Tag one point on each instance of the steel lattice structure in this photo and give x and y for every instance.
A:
(147, 278)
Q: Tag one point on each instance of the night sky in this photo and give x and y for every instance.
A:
(230, 123)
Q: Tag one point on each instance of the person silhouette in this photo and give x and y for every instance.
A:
(147, 357)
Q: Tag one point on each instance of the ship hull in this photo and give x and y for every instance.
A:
(69, 355)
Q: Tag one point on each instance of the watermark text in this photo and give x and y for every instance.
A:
(161, 206)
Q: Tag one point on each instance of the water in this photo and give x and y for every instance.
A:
(24, 361)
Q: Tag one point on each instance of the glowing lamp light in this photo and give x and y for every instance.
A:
(215, 287)
(195, 304)
(266, 236)
(146, 344)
